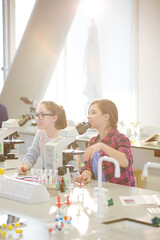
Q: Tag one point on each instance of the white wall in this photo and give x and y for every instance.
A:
(116, 35)
(149, 62)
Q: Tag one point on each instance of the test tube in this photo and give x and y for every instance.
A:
(50, 176)
(55, 175)
(45, 176)
(38, 175)
(69, 179)
(32, 174)
(41, 175)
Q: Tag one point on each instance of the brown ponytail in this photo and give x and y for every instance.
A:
(59, 111)
(61, 122)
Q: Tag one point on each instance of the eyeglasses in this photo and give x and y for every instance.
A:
(42, 115)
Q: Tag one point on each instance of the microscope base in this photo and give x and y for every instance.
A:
(10, 164)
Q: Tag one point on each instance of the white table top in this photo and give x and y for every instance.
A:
(87, 225)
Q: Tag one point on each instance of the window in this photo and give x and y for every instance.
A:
(21, 19)
(115, 30)
(23, 10)
(115, 34)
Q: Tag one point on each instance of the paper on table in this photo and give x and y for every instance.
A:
(140, 200)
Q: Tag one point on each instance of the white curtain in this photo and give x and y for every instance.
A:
(92, 83)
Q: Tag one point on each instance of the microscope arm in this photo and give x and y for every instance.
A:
(10, 126)
(5, 131)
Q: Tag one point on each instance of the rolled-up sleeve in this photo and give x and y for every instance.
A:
(123, 145)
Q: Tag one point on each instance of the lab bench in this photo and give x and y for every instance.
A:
(117, 222)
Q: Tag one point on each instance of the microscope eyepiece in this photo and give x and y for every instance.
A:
(23, 119)
(82, 127)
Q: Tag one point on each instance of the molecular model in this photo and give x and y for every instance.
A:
(9, 228)
(61, 217)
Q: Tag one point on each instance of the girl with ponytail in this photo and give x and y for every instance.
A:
(103, 116)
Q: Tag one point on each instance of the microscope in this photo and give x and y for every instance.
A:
(56, 158)
(33, 107)
(8, 135)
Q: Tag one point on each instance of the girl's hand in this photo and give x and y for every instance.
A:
(91, 150)
(23, 168)
(85, 177)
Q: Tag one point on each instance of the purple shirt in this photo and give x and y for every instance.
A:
(95, 160)
(3, 114)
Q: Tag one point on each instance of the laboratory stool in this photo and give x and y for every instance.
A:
(137, 174)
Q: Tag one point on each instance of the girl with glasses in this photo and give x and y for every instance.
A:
(50, 118)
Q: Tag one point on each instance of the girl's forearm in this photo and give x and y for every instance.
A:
(119, 156)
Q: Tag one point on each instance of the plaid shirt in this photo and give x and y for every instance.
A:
(121, 143)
